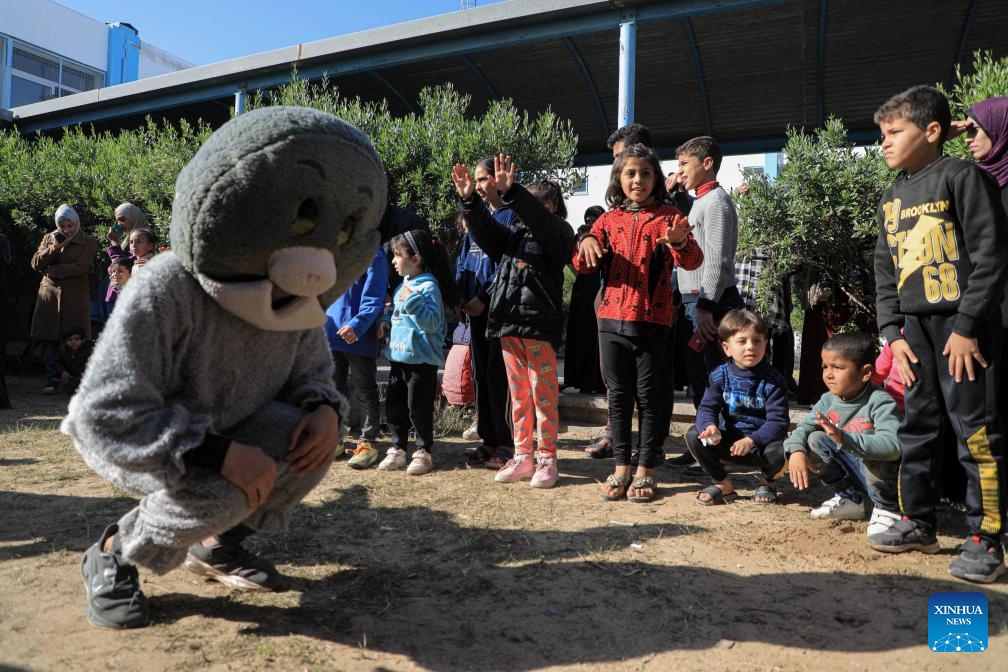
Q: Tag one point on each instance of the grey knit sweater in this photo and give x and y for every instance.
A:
(715, 227)
(200, 369)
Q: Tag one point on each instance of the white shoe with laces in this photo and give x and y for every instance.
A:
(839, 508)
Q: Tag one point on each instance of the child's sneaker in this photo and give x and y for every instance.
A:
(421, 463)
(546, 473)
(881, 520)
(395, 459)
(839, 508)
(471, 432)
(905, 535)
(518, 468)
(979, 560)
(112, 595)
(364, 455)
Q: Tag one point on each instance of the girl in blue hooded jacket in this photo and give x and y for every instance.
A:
(416, 345)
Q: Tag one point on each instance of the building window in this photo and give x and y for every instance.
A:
(3, 69)
(582, 188)
(37, 76)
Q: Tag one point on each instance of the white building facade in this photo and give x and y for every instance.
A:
(49, 51)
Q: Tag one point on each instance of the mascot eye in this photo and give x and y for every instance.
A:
(349, 224)
(306, 220)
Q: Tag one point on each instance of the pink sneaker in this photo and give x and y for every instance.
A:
(519, 468)
(546, 474)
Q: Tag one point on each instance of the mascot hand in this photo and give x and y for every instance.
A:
(313, 441)
(250, 469)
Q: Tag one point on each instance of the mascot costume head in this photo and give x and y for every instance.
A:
(276, 214)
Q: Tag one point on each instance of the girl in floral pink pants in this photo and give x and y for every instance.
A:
(526, 306)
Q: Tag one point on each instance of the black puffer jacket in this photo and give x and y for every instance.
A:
(527, 297)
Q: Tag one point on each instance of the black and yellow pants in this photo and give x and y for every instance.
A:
(971, 409)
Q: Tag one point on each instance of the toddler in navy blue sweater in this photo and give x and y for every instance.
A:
(743, 417)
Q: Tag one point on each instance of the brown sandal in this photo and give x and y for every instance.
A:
(642, 483)
(615, 488)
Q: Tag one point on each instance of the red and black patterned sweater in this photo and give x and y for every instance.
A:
(638, 271)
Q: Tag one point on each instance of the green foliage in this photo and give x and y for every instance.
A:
(989, 79)
(93, 172)
(420, 149)
(820, 212)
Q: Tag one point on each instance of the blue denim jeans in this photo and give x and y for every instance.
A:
(840, 470)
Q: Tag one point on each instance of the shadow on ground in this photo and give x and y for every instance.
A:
(473, 598)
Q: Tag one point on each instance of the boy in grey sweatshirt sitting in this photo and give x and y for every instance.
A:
(849, 437)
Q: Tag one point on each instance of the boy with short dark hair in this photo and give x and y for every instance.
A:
(941, 264)
(710, 291)
(625, 136)
(743, 416)
(851, 434)
(73, 358)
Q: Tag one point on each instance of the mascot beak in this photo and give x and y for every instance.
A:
(302, 271)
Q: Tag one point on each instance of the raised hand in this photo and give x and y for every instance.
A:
(504, 172)
(831, 430)
(677, 232)
(958, 127)
(463, 181)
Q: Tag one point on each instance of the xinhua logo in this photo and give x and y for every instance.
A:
(957, 622)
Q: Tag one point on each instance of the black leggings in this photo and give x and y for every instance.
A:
(410, 400)
(632, 369)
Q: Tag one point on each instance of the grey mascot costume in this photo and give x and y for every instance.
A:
(274, 217)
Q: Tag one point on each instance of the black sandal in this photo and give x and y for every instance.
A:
(600, 449)
(717, 497)
(765, 494)
(474, 457)
(499, 459)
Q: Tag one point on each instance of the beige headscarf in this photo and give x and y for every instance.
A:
(134, 215)
(66, 212)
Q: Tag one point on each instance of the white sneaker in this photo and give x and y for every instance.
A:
(881, 520)
(839, 508)
(395, 459)
(421, 463)
(470, 434)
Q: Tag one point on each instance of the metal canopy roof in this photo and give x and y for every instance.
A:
(741, 70)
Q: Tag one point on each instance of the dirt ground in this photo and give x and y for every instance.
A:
(450, 571)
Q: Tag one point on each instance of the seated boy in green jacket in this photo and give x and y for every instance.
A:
(850, 434)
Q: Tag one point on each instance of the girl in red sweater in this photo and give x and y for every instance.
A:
(639, 239)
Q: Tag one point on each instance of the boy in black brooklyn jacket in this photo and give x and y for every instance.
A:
(941, 264)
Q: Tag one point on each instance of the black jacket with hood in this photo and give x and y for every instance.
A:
(526, 299)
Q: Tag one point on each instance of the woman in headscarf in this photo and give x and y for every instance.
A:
(64, 259)
(127, 218)
(986, 129)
